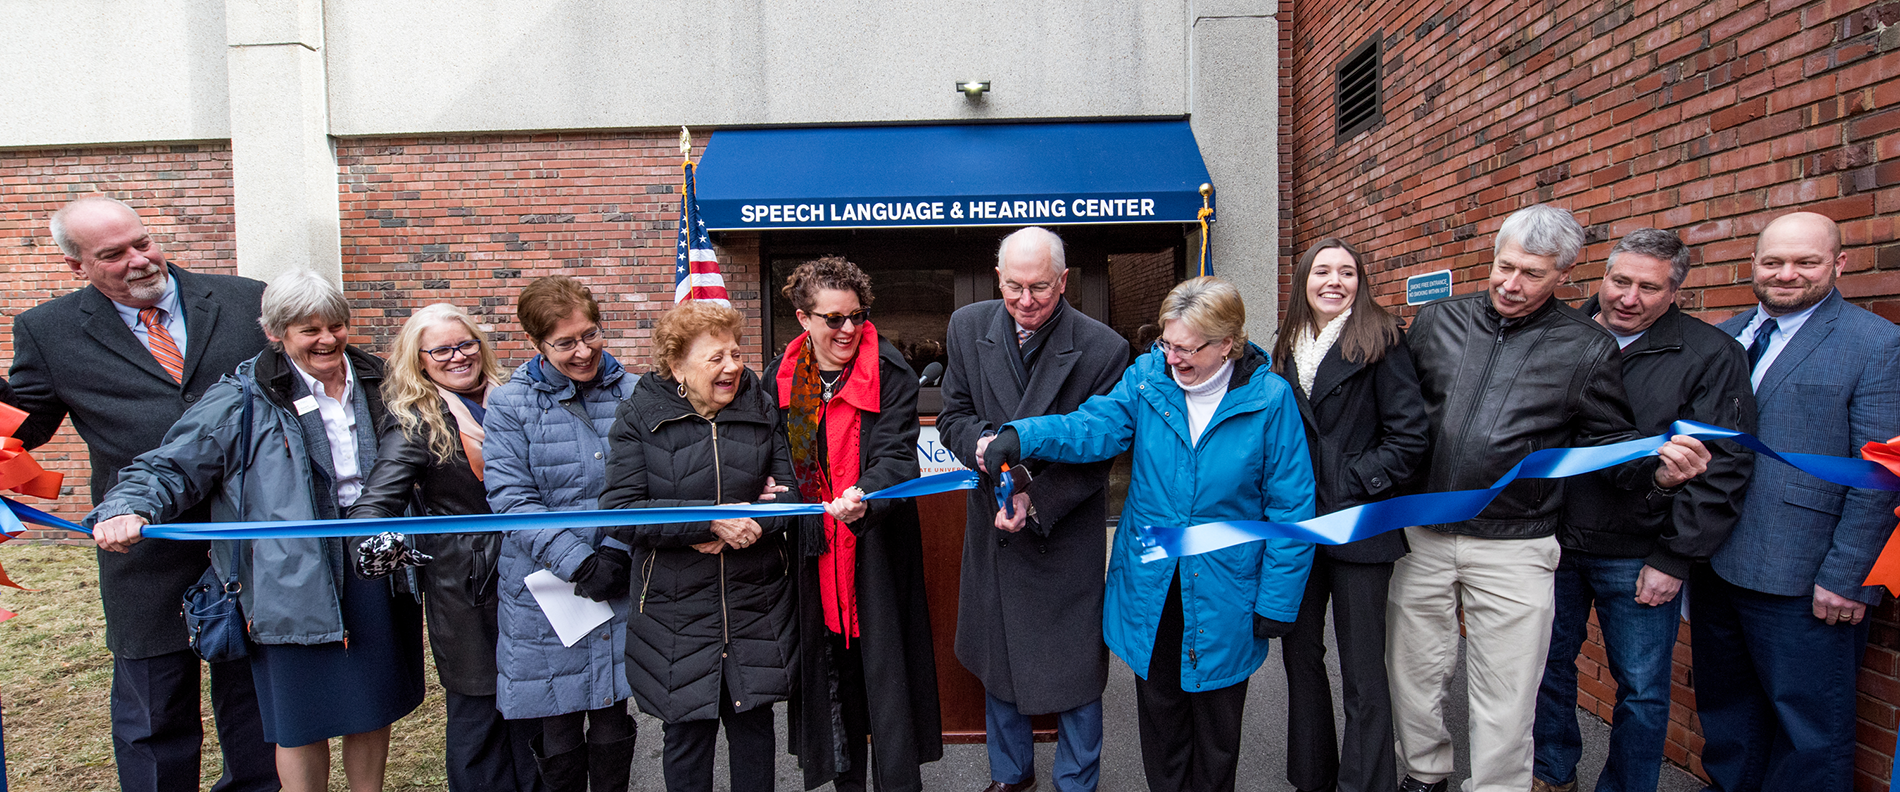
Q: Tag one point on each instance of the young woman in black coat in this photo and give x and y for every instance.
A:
(441, 369)
(1366, 427)
(866, 664)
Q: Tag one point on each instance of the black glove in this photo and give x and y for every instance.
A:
(1264, 627)
(379, 555)
(603, 575)
(1005, 448)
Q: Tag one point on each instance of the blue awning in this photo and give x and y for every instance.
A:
(952, 175)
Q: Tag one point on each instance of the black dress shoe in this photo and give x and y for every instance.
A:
(1411, 784)
(1025, 785)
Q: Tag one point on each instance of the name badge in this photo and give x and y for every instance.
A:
(305, 405)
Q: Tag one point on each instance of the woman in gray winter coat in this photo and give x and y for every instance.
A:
(546, 450)
(711, 638)
(332, 654)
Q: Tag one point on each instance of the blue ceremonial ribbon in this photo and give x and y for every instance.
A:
(1433, 508)
(13, 517)
(483, 523)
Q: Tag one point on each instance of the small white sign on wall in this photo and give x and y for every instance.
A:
(932, 457)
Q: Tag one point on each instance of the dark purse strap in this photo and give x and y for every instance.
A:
(245, 452)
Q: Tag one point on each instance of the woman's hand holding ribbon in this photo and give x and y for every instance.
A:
(118, 534)
(738, 532)
(848, 507)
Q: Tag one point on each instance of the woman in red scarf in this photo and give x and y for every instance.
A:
(866, 665)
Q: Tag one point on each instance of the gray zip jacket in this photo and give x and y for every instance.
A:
(289, 586)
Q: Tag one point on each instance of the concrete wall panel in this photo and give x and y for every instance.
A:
(1236, 102)
(108, 71)
(408, 66)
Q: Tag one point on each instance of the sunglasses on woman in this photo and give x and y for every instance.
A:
(835, 321)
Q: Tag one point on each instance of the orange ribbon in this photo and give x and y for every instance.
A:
(1886, 571)
(18, 471)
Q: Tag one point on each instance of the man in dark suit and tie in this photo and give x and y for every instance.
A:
(1778, 615)
(125, 356)
(1029, 613)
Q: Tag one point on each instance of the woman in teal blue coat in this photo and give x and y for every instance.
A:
(1217, 436)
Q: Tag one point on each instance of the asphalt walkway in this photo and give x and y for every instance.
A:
(965, 768)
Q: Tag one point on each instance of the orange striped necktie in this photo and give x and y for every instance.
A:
(163, 348)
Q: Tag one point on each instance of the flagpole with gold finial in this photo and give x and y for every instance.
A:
(1205, 216)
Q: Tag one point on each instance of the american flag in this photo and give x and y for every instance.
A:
(696, 269)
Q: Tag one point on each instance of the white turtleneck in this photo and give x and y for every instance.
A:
(1203, 398)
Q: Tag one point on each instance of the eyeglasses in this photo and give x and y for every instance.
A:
(1038, 290)
(589, 338)
(835, 321)
(1170, 350)
(446, 353)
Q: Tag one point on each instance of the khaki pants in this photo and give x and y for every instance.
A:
(1505, 587)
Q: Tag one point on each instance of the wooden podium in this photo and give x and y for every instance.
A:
(961, 695)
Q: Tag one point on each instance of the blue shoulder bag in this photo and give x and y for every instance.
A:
(213, 623)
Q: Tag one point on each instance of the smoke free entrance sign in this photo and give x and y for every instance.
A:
(1420, 289)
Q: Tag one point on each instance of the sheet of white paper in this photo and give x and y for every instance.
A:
(572, 615)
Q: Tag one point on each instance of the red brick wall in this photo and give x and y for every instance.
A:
(471, 220)
(468, 220)
(1706, 118)
(1288, 18)
(1137, 282)
(183, 192)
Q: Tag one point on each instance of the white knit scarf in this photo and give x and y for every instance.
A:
(1309, 351)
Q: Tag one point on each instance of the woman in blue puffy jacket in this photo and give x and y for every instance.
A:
(1217, 436)
(546, 451)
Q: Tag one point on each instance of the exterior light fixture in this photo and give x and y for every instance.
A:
(974, 89)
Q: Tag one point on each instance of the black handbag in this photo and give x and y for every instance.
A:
(213, 623)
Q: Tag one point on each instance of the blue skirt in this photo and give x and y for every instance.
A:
(308, 694)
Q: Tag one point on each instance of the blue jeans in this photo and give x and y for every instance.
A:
(1640, 641)
(1012, 745)
(1775, 689)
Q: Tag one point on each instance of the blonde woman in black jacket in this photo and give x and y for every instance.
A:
(441, 369)
(1366, 428)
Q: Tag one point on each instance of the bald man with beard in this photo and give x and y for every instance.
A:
(124, 356)
(1779, 614)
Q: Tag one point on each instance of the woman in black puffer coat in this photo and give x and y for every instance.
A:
(711, 637)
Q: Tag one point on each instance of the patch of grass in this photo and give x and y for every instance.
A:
(56, 683)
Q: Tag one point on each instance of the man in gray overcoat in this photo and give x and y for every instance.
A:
(1029, 618)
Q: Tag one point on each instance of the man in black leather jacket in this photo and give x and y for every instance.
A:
(1504, 372)
(1626, 553)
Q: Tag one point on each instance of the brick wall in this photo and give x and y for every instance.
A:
(468, 220)
(1137, 282)
(471, 220)
(1706, 118)
(182, 191)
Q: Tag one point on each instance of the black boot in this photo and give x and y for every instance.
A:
(565, 771)
(610, 765)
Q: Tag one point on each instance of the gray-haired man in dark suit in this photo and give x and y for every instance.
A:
(1029, 616)
(124, 357)
(1778, 616)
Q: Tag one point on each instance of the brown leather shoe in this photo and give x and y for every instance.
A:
(1540, 785)
(1025, 785)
